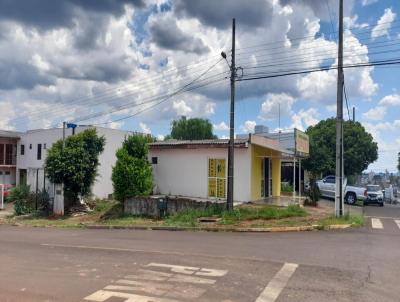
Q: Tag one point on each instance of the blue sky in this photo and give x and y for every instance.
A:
(80, 61)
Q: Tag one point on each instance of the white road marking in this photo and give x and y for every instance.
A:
(188, 270)
(103, 295)
(168, 285)
(161, 276)
(398, 223)
(376, 223)
(159, 289)
(278, 283)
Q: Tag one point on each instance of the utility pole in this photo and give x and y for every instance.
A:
(63, 141)
(229, 203)
(339, 201)
(354, 114)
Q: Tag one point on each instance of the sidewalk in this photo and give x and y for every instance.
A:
(7, 211)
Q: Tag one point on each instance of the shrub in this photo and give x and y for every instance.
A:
(132, 174)
(313, 194)
(285, 187)
(18, 193)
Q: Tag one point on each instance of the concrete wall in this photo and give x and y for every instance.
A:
(184, 172)
(149, 206)
(103, 185)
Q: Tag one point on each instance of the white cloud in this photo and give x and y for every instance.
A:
(351, 22)
(221, 126)
(390, 100)
(145, 129)
(331, 108)
(304, 119)
(375, 114)
(181, 108)
(368, 2)
(248, 126)
(160, 137)
(321, 86)
(276, 104)
(116, 125)
(384, 24)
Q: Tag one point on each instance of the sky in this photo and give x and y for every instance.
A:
(138, 64)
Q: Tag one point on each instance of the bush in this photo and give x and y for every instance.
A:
(132, 174)
(285, 187)
(18, 193)
(25, 201)
(313, 194)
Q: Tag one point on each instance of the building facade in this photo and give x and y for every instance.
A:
(8, 156)
(25, 164)
(198, 169)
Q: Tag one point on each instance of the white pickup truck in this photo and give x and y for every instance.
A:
(326, 188)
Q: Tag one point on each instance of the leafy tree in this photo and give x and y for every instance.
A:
(398, 161)
(132, 174)
(76, 164)
(359, 148)
(191, 129)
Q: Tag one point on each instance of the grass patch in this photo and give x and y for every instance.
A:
(354, 220)
(238, 215)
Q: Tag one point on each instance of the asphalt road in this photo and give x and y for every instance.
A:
(38, 264)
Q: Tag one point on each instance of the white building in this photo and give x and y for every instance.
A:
(31, 149)
(198, 169)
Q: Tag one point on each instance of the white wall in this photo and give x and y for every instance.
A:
(103, 185)
(185, 171)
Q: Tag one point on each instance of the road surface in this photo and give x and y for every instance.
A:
(39, 264)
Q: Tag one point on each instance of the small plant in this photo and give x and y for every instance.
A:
(313, 194)
(285, 187)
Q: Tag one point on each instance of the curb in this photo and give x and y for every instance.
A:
(303, 228)
(222, 229)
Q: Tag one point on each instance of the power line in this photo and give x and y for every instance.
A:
(287, 73)
(180, 90)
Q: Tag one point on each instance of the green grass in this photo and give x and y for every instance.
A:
(354, 220)
(239, 214)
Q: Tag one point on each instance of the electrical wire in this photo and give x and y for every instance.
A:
(180, 90)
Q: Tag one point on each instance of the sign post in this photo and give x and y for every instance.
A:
(2, 196)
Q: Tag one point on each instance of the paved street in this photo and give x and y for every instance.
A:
(40, 264)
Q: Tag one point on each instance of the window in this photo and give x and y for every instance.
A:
(30, 146)
(154, 160)
(9, 154)
(39, 151)
(44, 146)
(330, 180)
(216, 177)
(22, 149)
(7, 173)
(1, 154)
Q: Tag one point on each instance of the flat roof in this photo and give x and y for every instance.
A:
(10, 134)
(192, 144)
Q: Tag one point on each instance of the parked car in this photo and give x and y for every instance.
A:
(374, 195)
(327, 187)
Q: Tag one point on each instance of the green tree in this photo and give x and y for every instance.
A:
(359, 148)
(398, 161)
(132, 174)
(191, 129)
(76, 164)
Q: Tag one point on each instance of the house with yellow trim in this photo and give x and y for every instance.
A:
(198, 168)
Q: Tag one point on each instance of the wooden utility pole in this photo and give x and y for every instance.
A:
(339, 198)
(229, 202)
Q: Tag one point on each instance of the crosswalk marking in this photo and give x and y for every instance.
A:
(376, 223)
(278, 283)
(398, 223)
(180, 283)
